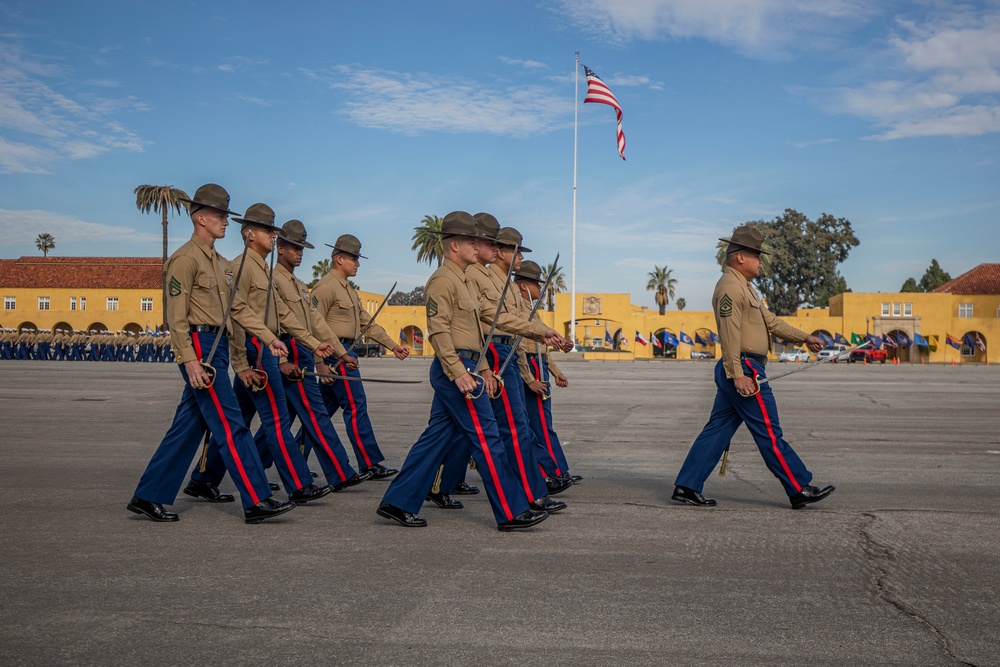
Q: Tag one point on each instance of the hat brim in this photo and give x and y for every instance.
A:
(473, 235)
(520, 248)
(301, 244)
(748, 247)
(346, 252)
(204, 205)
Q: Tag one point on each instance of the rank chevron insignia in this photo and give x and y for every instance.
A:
(725, 306)
(432, 307)
(174, 286)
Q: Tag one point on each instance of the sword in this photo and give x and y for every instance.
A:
(818, 362)
(351, 378)
(372, 320)
(534, 309)
(225, 318)
(496, 317)
(258, 369)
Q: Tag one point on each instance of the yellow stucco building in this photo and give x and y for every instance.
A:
(122, 293)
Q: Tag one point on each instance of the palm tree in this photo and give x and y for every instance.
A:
(662, 281)
(681, 303)
(45, 242)
(557, 285)
(427, 242)
(161, 199)
(320, 269)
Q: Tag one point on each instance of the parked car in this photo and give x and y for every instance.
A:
(369, 350)
(868, 355)
(794, 355)
(698, 354)
(834, 352)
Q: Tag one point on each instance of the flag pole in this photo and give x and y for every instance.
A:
(572, 280)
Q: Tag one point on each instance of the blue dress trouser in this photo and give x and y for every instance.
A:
(214, 409)
(350, 397)
(269, 403)
(539, 411)
(456, 421)
(305, 401)
(760, 414)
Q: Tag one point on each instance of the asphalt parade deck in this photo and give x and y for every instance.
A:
(898, 567)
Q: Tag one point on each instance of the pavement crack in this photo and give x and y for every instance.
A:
(880, 557)
(875, 401)
(758, 489)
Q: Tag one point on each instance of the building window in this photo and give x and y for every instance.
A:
(908, 310)
(146, 303)
(885, 310)
(72, 303)
(10, 303)
(43, 303)
(965, 310)
(112, 303)
(897, 309)
(83, 303)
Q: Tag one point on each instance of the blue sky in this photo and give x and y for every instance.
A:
(364, 117)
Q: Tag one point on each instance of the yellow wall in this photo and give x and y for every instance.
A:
(129, 303)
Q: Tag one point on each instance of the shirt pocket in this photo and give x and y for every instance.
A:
(206, 283)
(468, 305)
(755, 316)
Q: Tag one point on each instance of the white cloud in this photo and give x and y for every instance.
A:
(757, 27)
(43, 125)
(417, 103)
(23, 226)
(526, 64)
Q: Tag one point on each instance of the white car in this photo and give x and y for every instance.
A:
(794, 355)
(836, 351)
(698, 354)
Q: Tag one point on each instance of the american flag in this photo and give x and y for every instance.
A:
(598, 91)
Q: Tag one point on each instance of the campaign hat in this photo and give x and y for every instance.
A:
(748, 237)
(347, 243)
(487, 225)
(260, 215)
(460, 223)
(209, 195)
(529, 271)
(509, 236)
(294, 232)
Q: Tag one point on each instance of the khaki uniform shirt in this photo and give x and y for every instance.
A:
(453, 317)
(253, 286)
(295, 295)
(488, 283)
(337, 302)
(199, 282)
(745, 324)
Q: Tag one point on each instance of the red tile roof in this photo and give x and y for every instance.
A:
(74, 272)
(984, 279)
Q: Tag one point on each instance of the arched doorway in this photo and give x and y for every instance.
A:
(26, 326)
(619, 339)
(901, 351)
(667, 348)
(704, 347)
(973, 347)
(96, 327)
(413, 338)
(133, 328)
(63, 327)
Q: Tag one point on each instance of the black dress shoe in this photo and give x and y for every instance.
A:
(353, 480)
(402, 517)
(154, 511)
(444, 501)
(463, 489)
(379, 471)
(208, 491)
(682, 494)
(525, 519)
(273, 486)
(307, 493)
(267, 509)
(546, 504)
(557, 484)
(576, 478)
(810, 494)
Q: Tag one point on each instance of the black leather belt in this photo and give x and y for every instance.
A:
(468, 354)
(502, 340)
(346, 342)
(285, 337)
(759, 358)
(204, 328)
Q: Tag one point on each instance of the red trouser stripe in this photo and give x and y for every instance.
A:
(276, 417)
(513, 430)
(541, 416)
(489, 459)
(312, 415)
(770, 432)
(225, 425)
(354, 417)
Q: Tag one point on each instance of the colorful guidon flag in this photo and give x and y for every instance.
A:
(979, 343)
(686, 339)
(656, 340)
(598, 91)
(639, 338)
(954, 342)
